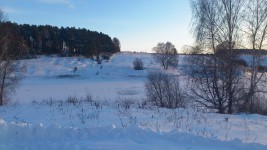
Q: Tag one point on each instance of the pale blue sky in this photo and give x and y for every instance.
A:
(139, 24)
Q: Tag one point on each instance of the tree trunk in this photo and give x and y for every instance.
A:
(2, 87)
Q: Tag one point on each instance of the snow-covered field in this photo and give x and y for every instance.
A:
(56, 108)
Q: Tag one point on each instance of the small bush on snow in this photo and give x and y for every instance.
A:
(138, 64)
(164, 90)
(125, 103)
(75, 69)
(73, 100)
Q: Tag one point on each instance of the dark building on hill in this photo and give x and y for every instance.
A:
(250, 51)
(243, 51)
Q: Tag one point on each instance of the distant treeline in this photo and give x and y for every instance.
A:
(31, 40)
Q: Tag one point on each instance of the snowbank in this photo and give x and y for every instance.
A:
(27, 137)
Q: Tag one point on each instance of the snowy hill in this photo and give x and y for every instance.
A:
(54, 75)
(120, 65)
(57, 108)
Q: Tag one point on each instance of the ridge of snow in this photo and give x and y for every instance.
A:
(30, 137)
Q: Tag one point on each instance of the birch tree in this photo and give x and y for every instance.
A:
(217, 84)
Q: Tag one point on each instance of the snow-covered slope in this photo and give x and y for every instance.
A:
(42, 115)
(54, 77)
(120, 65)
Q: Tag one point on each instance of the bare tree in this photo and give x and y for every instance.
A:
(256, 30)
(166, 55)
(216, 79)
(256, 23)
(191, 50)
(9, 81)
(232, 13)
(8, 67)
(163, 90)
(205, 17)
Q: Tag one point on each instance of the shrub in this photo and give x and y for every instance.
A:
(106, 56)
(163, 90)
(125, 103)
(73, 100)
(75, 69)
(138, 64)
(257, 106)
(262, 69)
